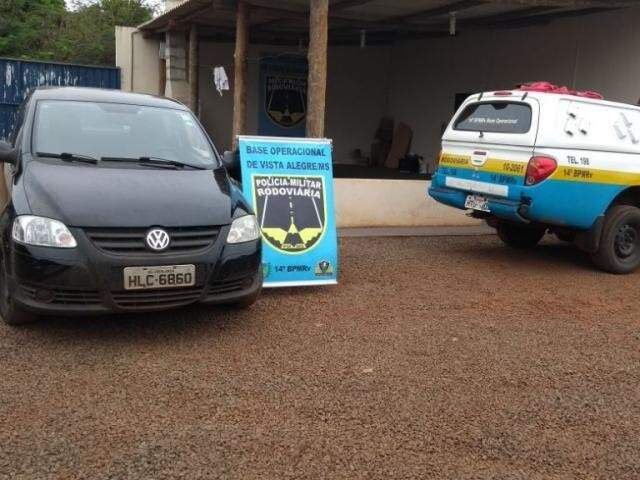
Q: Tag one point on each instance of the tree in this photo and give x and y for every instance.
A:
(83, 33)
(89, 34)
(31, 28)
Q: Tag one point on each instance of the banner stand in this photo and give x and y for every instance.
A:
(289, 182)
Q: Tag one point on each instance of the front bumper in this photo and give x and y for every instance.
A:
(86, 280)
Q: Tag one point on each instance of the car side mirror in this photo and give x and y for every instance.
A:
(231, 161)
(7, 153)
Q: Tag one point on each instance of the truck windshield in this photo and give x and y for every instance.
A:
(495, 117)
(116, 130)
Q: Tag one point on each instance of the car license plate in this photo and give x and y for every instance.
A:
(170, 276)
(476, 202)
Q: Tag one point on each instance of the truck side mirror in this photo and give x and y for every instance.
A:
(7, 153)
(231, 161)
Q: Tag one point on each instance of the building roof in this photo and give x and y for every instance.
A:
(287, 21)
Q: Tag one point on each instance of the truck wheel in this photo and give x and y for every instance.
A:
(11, 313)
(619, 250)
(517, 236)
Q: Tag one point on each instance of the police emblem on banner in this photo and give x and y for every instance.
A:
(324, 269)
(291, 211)
(286, 99)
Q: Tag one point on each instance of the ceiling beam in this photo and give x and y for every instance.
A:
(509, 16)
(567, 3)
(404, 22)
(333, 8)
(543, 18)
(457, 6)
(345, 5)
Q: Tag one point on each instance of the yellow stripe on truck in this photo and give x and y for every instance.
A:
(455, 160)
(492, 165)
(570, 174)
(591, 175)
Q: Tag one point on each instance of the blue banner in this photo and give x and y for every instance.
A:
(290, 184)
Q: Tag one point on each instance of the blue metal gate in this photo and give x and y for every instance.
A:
(17, 77)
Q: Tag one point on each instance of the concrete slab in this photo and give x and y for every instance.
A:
(390, 203)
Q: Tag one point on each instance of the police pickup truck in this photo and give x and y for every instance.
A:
(530, 161)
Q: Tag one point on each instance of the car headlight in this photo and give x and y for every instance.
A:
(43, 232)
(244, 229)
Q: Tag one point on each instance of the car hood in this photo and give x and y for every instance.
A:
(90, 196)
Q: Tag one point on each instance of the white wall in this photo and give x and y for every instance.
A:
(357, 97)
(358, 204)
(357, 93)
(145, 55)
(596, 52)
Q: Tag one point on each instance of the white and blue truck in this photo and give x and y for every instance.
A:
(531, 162)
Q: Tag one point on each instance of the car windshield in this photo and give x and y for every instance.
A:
(115, 130)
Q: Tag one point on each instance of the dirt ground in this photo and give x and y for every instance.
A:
(443, 358)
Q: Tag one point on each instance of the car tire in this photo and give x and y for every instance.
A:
(619, 249)
(246, 302)
(11, 313)
(517, 236)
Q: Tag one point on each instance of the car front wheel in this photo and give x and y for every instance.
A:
(11, 313)
(619, 250)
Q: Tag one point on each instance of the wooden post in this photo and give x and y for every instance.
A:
(317, 83)
(240, 76)
(193, 68)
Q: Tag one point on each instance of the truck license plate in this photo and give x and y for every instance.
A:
(476, 202)
(170, 276)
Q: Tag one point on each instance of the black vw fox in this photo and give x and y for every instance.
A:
(119, 202)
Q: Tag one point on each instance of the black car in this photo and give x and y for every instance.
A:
(119, 202)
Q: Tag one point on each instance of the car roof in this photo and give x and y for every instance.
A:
(86, 94)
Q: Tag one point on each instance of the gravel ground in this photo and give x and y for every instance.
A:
(444, 358)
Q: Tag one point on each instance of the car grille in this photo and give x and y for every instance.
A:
(156, 298)
(132, 240)
(134, 298)
(62, 296)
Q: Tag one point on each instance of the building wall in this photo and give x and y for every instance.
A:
(358, 204)
(131, 46)
(357, 93)
(416, 82)
(596, 52)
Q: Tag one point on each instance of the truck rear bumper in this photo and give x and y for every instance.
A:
(503, 208)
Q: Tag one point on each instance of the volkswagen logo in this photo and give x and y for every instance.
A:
(157, 239)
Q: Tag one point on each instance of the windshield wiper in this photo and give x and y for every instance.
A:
(155, 161)
(69, 157)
